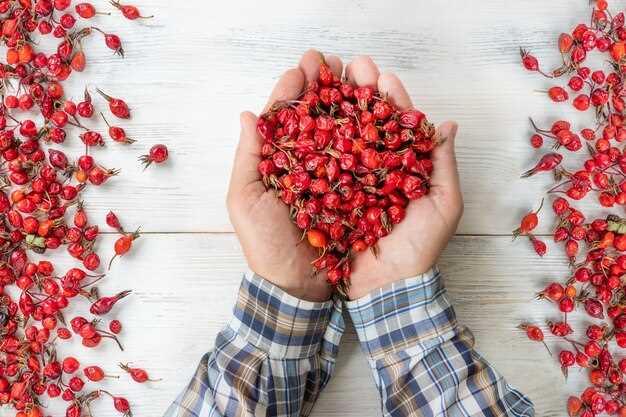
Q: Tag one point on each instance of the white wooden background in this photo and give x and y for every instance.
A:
(190, 71)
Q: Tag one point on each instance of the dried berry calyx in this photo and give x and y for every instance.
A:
(616, 224)
(347, 162)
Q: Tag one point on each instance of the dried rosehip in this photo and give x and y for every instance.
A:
(593, 246)
(132, 13)
(157, 154)
(376, 162)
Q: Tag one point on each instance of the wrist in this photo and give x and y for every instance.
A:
(314, 293)
(297, 282)
(371, 273)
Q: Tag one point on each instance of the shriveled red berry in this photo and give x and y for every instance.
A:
(115, 326)
(131, 12)
(558, 94)
(158, 154)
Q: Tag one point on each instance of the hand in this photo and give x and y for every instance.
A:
(414, 245)
(271, 243)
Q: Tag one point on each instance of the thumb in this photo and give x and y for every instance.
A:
(245, 177)
(445, 172)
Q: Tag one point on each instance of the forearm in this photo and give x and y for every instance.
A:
(274, 357)
(423, 362)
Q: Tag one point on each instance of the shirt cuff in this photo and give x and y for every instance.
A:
(414, 314)
(277, 323)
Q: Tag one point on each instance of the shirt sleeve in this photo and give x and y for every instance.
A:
(274, 357)
(423, 362)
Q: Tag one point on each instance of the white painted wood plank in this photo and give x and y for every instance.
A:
(184, 287)
(190, 71)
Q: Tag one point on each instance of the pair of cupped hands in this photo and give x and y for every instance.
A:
(272, 243)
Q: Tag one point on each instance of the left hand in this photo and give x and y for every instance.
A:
(415, 244)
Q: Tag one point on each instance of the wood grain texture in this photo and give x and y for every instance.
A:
(190, 72)
(184, 287)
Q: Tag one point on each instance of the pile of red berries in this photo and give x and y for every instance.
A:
(347, 162)
(41, 208)
(594, 248)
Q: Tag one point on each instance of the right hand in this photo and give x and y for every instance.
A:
(271, 243)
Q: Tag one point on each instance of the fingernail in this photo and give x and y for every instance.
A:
(448, 130)
(243, 120)
(453, 131)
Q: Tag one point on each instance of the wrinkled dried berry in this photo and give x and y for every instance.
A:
(352, 160)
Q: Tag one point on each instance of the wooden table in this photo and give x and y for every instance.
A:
(190, 71)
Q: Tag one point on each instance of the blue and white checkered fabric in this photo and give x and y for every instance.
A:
(423, 362)
(279, 352)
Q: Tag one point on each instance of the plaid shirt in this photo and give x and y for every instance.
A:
(279, 352)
